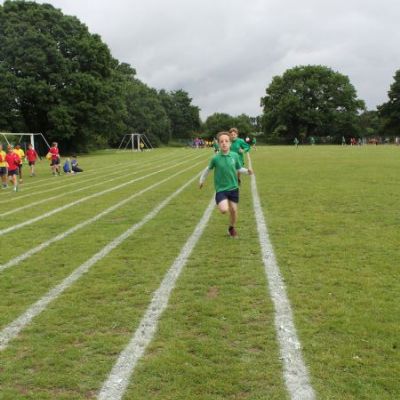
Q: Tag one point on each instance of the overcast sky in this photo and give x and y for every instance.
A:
(224, 53)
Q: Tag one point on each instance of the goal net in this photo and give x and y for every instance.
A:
(37, 140)
(135, 142)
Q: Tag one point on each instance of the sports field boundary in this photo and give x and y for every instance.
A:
(120, 376)
(12, 330)
(295, 371)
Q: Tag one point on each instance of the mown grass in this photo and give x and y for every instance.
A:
(333, 218)
(334, 221)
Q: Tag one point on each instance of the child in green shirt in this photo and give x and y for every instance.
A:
(226, 165)
(238, 145)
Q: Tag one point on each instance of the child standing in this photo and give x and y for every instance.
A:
(32, 156)
(13, 162)
(3, 168)
(226, 164)
(55, 158)
(20, 153)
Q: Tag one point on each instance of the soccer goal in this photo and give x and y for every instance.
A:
(37, 140)
(135, 142)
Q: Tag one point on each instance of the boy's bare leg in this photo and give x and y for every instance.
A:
(233, 211)
(223, 206)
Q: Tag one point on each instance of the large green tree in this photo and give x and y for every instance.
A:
(144, 110)
(57, 77)
(310, 100)
(370, 123)
(390, 111)
(219, 122)
(184, 116)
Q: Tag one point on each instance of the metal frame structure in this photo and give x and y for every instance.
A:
(32, 137)
(134, 139)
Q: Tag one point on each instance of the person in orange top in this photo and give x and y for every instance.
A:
(3, 167)
(13, 162)
(32, 156)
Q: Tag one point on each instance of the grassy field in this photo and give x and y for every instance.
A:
(333, 218)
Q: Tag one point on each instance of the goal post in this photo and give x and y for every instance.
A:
(135, 142)
(20, 136)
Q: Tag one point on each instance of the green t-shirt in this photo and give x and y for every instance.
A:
(240, 144)
(225, 174)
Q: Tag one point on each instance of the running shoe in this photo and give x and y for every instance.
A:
(232, 232)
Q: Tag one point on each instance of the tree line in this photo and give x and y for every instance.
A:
(59, 79)
(315, 101)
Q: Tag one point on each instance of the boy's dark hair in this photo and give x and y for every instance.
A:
(222, 134)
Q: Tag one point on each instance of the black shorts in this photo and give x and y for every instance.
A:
(3, 171)
(231, 195)
(31, 163)
(12, 172)
(55, 161)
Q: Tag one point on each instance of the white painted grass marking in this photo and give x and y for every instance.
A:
(50, 181)
(82, 199)
(35, 203)
(12, 330)
(78, 181)
(295, 371)
(117, 382)
(61, 236)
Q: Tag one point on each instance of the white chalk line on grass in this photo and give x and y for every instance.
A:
(12, 330)
(45, 200)
(117, 382)
(82, 199)
(51, 180)
(295, 371)
(61, 236)
(79, 181)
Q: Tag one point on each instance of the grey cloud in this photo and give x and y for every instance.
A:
(225, 52)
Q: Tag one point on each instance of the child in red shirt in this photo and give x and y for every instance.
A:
(13, 162)
(32, 156)
(55, 158)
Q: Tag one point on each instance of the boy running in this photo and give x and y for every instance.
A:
(13, 162)
(227, 165)
(32, 156)
(3, 168)
(238, 146)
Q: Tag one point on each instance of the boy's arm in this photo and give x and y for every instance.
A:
(203, 176)
(246, 171)
(245, 146)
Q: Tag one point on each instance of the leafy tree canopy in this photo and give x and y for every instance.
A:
(310, 100)
(58, 79)
(60, 76)
(184, 117)
(219, 122)
(390, 111)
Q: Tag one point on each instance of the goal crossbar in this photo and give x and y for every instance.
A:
(21, 134)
